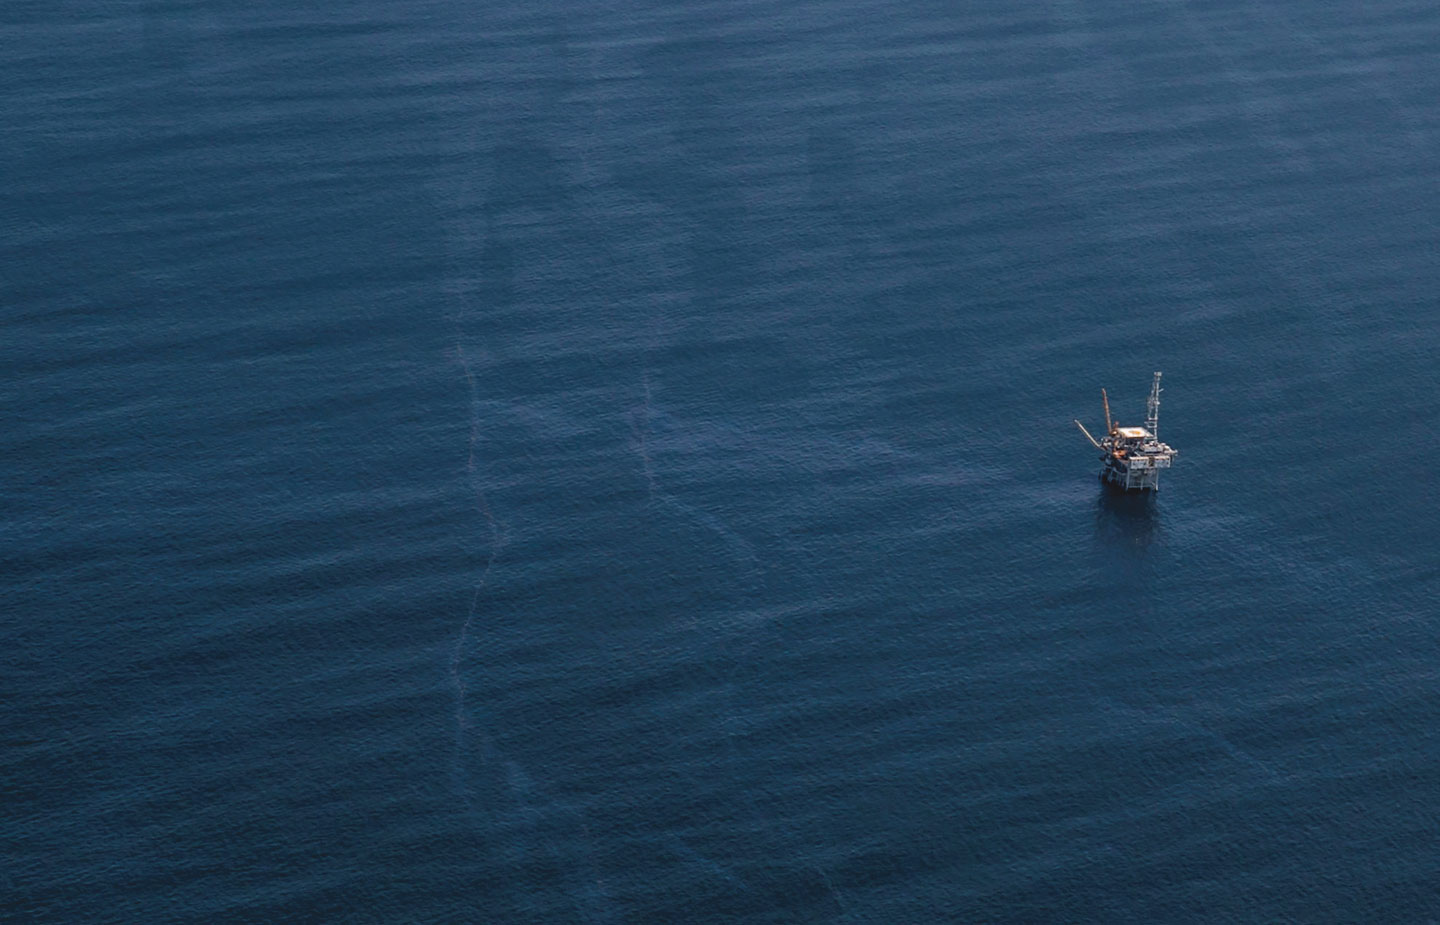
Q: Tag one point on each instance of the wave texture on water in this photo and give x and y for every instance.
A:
(613, 462)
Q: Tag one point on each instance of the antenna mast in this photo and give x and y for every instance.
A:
(1152, 418)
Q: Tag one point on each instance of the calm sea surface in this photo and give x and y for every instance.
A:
(613, 462)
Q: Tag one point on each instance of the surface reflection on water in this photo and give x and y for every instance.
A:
(1126, 520)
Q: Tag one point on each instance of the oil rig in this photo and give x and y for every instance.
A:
(1132, 457)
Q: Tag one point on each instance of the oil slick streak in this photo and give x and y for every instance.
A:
(1173, 717)
(497, 543)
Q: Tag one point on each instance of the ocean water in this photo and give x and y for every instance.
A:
(613, 462)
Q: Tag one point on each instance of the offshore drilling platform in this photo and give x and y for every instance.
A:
(1132, 457)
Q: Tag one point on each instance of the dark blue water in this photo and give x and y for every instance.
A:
(612, 462)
